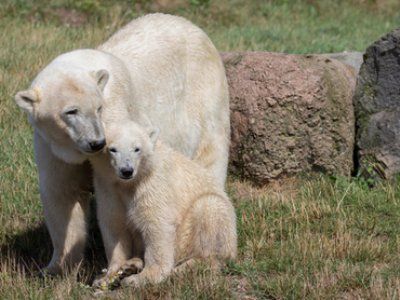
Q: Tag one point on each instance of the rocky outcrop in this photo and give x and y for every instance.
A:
(289, 114)
(377, 103)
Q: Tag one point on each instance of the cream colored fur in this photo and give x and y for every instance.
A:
(171, 202)
(158, 69)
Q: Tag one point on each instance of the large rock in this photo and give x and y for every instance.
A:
(289, 114)
(377, 103)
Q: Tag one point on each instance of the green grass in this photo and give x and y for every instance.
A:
(310, 238)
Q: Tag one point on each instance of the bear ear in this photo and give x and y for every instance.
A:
(153, 132)
(26, 100)
(101, 77)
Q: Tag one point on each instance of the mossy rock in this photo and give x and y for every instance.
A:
(290, 114)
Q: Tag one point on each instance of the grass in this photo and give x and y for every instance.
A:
(309, 238)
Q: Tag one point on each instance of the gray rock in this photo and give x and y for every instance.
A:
(377, 107)
(352, 59)
(289, 114)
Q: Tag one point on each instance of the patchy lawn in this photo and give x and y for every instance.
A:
(307, 238)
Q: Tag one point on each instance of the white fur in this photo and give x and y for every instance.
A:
(171, 203)
(162, 70)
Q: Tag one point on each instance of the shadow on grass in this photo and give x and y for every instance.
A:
(29, 251)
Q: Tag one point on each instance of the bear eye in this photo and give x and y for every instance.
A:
(100, 109)
(71, 112)
(112, 149)
(137, 150)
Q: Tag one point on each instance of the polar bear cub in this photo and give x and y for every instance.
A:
(145, 188)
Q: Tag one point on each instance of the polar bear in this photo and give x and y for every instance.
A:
(158, 69)
(171, 202)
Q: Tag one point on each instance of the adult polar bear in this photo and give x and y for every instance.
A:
(159, 68)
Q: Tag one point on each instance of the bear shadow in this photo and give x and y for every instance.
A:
(29, 251)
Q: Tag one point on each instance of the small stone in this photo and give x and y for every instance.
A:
(271, 102)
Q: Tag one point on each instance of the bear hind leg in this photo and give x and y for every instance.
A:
(214, 228)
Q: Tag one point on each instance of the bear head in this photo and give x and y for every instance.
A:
(130, 149)
(64, 106)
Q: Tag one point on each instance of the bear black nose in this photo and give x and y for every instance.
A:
(126, 172)
(97, 145)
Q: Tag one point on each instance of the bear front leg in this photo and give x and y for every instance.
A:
(111, 215)
(64, 191)
(159, 247)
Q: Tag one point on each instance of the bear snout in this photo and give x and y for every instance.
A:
(126, 172)
(97, 145)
